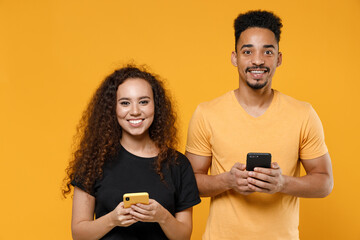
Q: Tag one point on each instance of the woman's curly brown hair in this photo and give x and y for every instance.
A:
(99, 133)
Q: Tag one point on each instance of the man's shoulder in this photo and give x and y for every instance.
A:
(217, 102)
(287, 101)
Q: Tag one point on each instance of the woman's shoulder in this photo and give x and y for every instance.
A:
(179, 161)
(181, 157)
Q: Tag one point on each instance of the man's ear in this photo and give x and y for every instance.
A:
(279, 59)
(234, 58)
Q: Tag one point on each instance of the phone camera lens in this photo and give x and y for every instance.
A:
(127, 199)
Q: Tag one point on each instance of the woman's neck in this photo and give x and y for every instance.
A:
(142, 146)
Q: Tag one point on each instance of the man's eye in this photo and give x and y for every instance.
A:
(247, 52)
(268, 52)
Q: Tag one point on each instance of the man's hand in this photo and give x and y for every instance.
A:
(238, 179)
(266, 180)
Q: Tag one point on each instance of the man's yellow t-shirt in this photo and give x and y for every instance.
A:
(289, 129)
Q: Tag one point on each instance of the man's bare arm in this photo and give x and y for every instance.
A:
(318, 181)
(212, 185)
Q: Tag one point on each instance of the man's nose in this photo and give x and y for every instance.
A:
(257, 59)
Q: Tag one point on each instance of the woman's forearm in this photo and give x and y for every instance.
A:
(175, 229)
(92, 230)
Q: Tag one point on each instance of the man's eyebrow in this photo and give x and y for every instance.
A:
(246, 46)
(269, 46)
(251, 45)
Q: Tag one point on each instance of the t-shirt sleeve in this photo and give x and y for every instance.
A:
(79, 185)
(312, 142)
(198, 138)
(187, 193)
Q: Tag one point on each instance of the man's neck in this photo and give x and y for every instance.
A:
(254, 101)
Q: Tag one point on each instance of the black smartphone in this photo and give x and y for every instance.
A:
(258, 160)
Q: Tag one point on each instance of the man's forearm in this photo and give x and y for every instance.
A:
(315, 185)
(212, 185)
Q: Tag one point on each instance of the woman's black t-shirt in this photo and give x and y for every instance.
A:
(127, 173)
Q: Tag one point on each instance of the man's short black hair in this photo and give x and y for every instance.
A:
(258, 18)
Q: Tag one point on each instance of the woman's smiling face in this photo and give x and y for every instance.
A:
(135, 107)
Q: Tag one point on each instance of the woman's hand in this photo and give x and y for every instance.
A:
(122, 217)
(175, 227)
(153, 212)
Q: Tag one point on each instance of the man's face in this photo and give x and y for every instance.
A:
(257, 57)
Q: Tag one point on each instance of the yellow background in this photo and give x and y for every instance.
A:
(53, 54)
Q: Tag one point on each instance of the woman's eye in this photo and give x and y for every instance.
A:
(124, 103)
(144, 102)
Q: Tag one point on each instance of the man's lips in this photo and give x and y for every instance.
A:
(257, 70)
(257, 73)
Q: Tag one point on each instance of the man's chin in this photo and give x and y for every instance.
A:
(257, 85)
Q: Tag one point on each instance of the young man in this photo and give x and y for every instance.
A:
(259, 204)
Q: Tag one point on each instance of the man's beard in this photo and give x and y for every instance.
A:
(257, 85)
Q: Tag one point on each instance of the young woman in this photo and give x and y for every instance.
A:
(126, 144)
